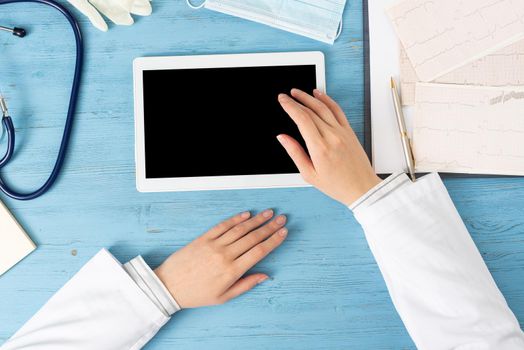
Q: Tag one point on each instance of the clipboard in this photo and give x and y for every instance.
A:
(368, 134)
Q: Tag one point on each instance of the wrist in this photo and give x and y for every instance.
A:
(361, 188)
(167, 280)
(149, 282)
(163, 278)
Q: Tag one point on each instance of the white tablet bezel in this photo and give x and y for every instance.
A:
(144, 184)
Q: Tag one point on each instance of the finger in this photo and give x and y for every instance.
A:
(333, 106)
(255, 237)
(243, 285)
(226, 225)
(240, 230)
(91, 13)
(299, 156)
(319, 122)
(115, 11)
(317, 106)
(260, 251)
(141, 8)
(308, 129)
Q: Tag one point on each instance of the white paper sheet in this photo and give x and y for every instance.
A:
(502, 68)
(465, 129)
(387, 153)
(441, 36)
(15, 244)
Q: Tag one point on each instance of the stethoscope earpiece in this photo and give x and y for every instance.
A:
(19, 32)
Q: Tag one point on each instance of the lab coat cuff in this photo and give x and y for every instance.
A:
(151, 285)
(390, 184)
(400, 196)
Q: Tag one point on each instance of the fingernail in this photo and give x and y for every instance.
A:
(281, 220)
(267, 213)
(262, 279)
(317, 93)
(281, 139)
(283, 232)
(283, 97)
(245, 215)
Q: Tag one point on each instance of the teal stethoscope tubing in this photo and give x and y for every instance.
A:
(8, 123)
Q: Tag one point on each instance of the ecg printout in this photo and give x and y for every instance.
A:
(465, 129)
(440, 36)
(502, 68)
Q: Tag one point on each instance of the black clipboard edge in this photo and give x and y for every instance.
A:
(367, 84)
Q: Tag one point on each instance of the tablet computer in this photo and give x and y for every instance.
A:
(210, 122)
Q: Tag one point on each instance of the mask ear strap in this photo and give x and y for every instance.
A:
(339, 31)
(195, 7)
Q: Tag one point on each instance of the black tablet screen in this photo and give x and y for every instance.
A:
(219, 121)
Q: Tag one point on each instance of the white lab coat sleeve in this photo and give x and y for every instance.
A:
(101, 308)
(434, 273)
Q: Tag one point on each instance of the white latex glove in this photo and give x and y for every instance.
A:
(118, 11)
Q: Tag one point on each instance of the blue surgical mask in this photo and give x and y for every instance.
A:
(316, 19)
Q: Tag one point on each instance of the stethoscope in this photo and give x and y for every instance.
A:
(7, 122)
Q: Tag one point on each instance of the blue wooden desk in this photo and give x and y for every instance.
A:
(326, 291)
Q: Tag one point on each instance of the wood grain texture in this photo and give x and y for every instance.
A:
(326, 291)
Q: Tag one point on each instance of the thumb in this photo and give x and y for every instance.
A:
(141, 8)
(90, 12)
(298, 155)
(243, 285)
(115, 10)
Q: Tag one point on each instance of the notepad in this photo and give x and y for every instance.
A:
(472, 130)
(15, 244)
(441, 36)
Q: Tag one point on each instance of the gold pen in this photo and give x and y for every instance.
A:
(406, 144)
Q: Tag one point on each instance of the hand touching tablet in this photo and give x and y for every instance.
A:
(337, 164)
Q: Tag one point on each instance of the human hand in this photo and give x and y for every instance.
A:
(210, 270)
(337, 165)
(118, 11)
